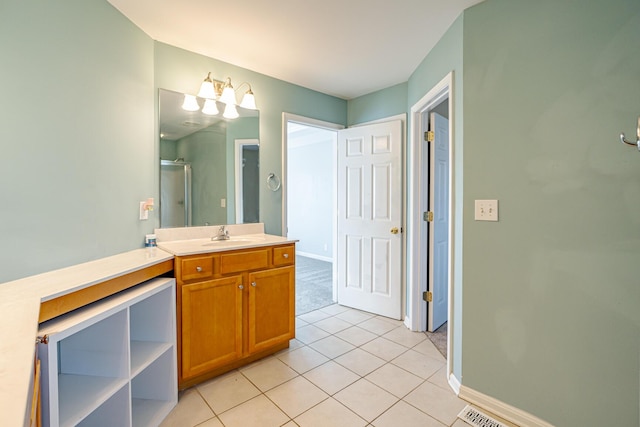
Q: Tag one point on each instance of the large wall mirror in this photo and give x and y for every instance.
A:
(209, 165)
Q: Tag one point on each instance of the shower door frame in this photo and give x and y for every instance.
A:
(187, 189)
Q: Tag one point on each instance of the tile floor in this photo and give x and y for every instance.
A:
(345, 368)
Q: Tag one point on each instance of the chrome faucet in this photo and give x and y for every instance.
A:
(223, 234)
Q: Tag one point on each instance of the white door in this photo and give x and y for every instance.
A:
(369, 218)
(439, 227)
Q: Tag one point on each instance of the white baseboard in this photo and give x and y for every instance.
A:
(407, 322)
(314, 256)
(501, 409)
(454, 383)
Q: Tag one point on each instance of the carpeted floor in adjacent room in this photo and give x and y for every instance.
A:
(313, 284)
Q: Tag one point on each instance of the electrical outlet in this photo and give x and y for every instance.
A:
(144, 213)
(486, 210)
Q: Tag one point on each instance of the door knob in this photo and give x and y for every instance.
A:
(395, 230)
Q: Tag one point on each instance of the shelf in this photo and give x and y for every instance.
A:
(147, 412)
(79, 395)
(113, 362)
(113, 412)
(145, 352)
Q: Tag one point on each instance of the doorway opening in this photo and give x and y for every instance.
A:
(431, 207)
(310, 207)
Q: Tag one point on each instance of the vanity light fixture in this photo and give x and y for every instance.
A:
(230, 112)
(190, 103)
(207, 90)
(210, 108)
(211, 89)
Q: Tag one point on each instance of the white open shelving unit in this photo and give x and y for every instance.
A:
(112, 363)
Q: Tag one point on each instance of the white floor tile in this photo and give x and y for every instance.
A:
(360, 362)
(354, 316)
(332, 325)
(405, 415)
(191, 410)
(330, 413)
(441, 404)
(426, 347)
(268, 375)
(331, 377)
(418, 364)
(384, 349)
(303, 359)
(308, 334)
(332, 346)
(296, 396)
(366, 399)
(334, 309)
(405, 337)
(395, 380)
(257, 412)
(346, 367)
(225, 392)
(377, 326)
(314, 316)
(356, 336)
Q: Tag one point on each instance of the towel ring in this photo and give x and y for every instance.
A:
(637, 142)
(273, 182)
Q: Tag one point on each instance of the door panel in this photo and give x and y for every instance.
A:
(369, 208)
(439, 228)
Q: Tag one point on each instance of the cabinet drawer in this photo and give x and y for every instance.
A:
(284, 255)
(196, 268)
(244, 261)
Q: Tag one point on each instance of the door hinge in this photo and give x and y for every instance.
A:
(427, 296)
(429, 136)
(427, 216)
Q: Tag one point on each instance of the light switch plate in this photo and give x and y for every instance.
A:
(486, 210)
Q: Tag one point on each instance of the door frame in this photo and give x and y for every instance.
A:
(239, 183)
(417, 247)
(307, 121)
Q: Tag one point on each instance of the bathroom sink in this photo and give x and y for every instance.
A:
(232, 240)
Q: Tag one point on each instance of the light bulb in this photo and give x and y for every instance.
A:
(210, 108)
(206, 88)
(230, 112)
(249, 101)
(228, 95)
(190, 103)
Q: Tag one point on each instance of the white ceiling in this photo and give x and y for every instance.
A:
(341, 48)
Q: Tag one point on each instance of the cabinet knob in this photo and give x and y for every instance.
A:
(199, 269)
(254, 284)
(286, 255)
(240, 287)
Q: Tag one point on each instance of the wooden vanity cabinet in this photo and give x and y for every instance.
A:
(233, 307)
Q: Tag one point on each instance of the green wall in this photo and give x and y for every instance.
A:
(206, 150)
(446, 57)
(551, 318)
(384, 103)
(78, 125)
(551, 321)
(76, 130)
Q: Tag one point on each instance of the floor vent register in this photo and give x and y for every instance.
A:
(476, 418)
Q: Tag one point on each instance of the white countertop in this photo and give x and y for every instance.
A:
(20, 308)
(206, 245)
(197, 240)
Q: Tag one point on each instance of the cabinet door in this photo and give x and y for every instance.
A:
(271, 307)
(211, 324)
